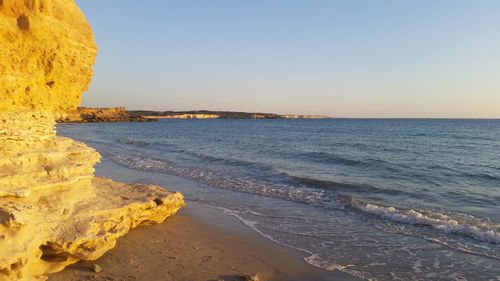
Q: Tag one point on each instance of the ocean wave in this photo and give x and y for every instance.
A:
(463, 248)
(438, 221)
(344, 186)
(246, 184)
(328, 197)
(197, 155)
(263, 170)
(327, 184)
(331, 158)
(325, 157)
(483, 176)
(260, 167)
(154, 145)
(131, 141)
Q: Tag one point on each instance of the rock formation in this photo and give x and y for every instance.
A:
(47, 53)
(53, 211)
(91, 115)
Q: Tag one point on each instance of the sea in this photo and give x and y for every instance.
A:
(380, 199)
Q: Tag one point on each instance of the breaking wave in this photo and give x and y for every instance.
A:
(320, 194)
(481, 231)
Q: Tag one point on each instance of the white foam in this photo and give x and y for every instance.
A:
(313, 259)
(316, 261)
(437, 221)
(253, 226)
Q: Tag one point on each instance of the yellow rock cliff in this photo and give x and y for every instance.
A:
(47, 53)
(53, 211)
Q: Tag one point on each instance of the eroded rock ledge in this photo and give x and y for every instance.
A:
(53, 211)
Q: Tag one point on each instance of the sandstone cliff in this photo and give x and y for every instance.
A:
(53, 211)
(47, 53)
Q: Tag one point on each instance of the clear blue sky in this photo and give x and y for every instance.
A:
(350, 58)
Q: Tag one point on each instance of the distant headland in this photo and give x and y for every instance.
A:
(120, 114)
(207, 114)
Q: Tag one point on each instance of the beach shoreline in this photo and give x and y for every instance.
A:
(283, 190)
(198, 243)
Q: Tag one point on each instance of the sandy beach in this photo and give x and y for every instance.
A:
(199, 243)
(205, 147)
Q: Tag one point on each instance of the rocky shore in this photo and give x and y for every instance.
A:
(93, 115)
(53, 211)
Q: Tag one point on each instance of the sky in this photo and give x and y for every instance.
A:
(351, 58)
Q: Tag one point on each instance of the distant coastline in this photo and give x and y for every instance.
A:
(207, 114)
(96, 115)
(120, 114)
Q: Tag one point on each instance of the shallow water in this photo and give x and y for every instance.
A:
(379, 199)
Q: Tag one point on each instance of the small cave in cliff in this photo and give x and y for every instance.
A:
(50, 255)
(23, 22)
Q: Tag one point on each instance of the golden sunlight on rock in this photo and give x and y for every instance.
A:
(53, 211)
(47, 53)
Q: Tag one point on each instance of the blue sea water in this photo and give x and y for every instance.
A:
(381, 199)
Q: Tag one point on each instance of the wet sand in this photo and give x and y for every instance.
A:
(199, 243)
